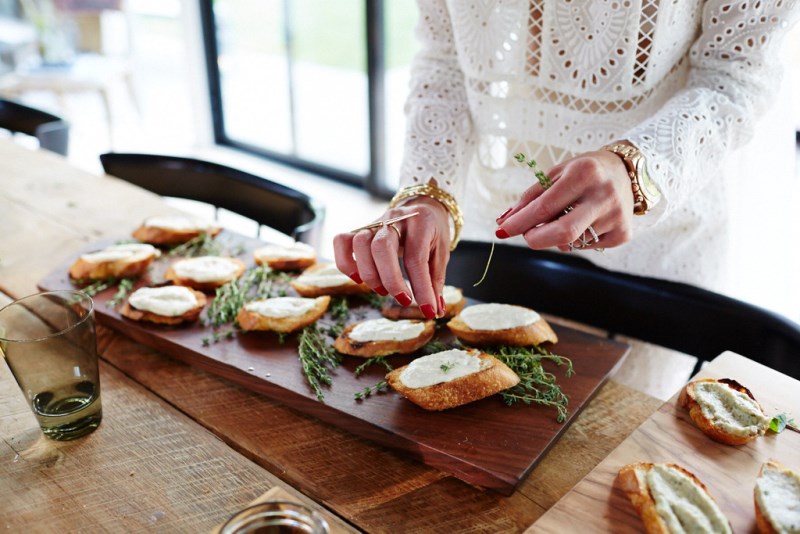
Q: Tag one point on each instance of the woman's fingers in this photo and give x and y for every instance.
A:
(385, 249)
(343, 255)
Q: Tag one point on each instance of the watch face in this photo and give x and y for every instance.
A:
(648, 187)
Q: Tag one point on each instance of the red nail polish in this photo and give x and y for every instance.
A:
(501, 233)
(442, 306)
(427, 311)
(403, 299)
(355, 277)
(380, 290)
(504, 213)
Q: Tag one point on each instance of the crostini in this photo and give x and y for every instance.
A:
(282, 314)
(115, 261)
(170, 305)
(286, 257)
(326, 279)
(205, 273)
(382, 337)
(501, 324)
(173, 229)
(453, 300)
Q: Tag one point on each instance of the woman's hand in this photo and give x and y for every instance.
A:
(423, 242)
(595, 185)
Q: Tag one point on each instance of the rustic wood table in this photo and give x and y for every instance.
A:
(180, 450)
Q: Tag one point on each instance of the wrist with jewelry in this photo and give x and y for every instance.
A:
(645, 191)
(431, 190)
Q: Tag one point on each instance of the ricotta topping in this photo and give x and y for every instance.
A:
(451, 294)
(205, 269)
(281, 306)
(441, 367)
(177, 223)
(326, 276)
(778, 496)
(296, 251)
(129, 252)
(497, 316)
(682, 504)
(168, 301)
(386, 330)
(730, 410)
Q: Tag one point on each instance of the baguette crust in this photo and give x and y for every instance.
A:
(348, 288)
(142, 315)
(286, 263)
(392, 310)
(521, 336)
(206, 286)
(632, 479)
(688, 399)
(493, 378)
(764, 524)
(250, 320)
(370, 349)
(167, 236)
(82, 269)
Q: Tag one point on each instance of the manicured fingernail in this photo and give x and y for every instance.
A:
(501, 233)
(442, 306)
(403, 299)
(355, 277)
(427, 311)
(380, 290)
(505, 213)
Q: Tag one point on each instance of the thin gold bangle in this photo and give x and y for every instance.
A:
(446, 199)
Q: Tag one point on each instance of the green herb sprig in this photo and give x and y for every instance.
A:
(367, 391)
(258, 283)
(317, 358)
(93, 288)
(373, 361)
(202, 245)
(123, 288)
(218, 336)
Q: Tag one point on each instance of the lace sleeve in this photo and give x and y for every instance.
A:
(734, 76)
(438, 142)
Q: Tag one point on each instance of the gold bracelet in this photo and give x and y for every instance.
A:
(446, 199)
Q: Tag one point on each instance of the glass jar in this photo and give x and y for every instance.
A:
(276, 517)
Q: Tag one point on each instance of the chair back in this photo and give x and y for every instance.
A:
(51, 130)
(670, 314)
(277, 206)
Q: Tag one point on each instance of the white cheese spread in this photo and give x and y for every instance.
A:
(452, 295)
(297, 251)
(281, 306)
(205, 269)
(326, 276)
(386, 330)
(129, 252)
(167, 301)
(441, 367)
(730, 410)
(497, 316)
(778, 496)
(682, 504)
(179, 223)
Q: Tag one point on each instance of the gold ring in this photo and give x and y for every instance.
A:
(393, 227)
(380, 224)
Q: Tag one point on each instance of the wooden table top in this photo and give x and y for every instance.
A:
(180, 450)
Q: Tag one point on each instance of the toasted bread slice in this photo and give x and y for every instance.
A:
(115, 261)
(282, 314)
(286, 258)
(170, 305)
(326, 279)
(670, 499)
(454, 302)
(725, 410)
(173, 229)
(501, 324)
(205, 273)
(451, 378)
(777, 499)
(382, 337)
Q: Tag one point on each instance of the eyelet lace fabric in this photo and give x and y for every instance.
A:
(685, 81)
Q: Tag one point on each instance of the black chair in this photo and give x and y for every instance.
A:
(51, 131)
(673, 315)
(277, 206)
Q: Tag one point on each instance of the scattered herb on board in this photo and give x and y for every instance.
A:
(536, 386)
(370, 361)
(317, 358)
(781, 422)
(123, 288)
(436, 345)
(202, 245)
(95, 287)
(369, 390)
(218, 335)
(230, 298)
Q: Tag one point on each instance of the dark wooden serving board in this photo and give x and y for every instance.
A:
(485, 443)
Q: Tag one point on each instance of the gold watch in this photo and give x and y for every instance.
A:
(645, 191)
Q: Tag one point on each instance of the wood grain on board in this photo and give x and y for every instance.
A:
(729, 472)
(483, 443)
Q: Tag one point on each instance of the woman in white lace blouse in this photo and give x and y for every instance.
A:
(682, 83)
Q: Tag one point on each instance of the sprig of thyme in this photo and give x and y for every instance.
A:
(370, 361)
(94, 287)
(219, 335)
(543, 179)
(317, 358)
(436, 345)
(536, 385)
(263, 281)
(123, 288)
(369, 390)
(202, 245)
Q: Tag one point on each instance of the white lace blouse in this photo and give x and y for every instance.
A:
(685, 81)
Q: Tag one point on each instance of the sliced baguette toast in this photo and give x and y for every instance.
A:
(492, 376)
(115, 261)
(150, 231)
(535, 333)
(310, 282)
(369, 349)
(777, 499)
(453, 306)
(286, 258)
(658, 491)
(191, 315)
(276, 320)
(173, 273)
(724, 410)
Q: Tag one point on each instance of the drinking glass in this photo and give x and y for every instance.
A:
(48, 340)
(276, 517)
